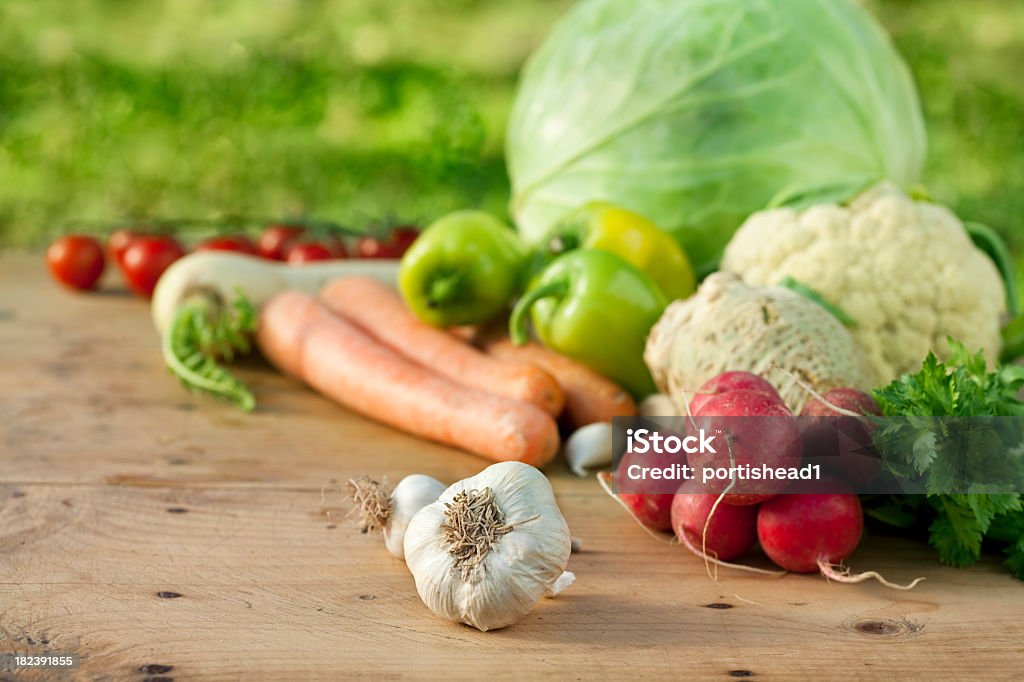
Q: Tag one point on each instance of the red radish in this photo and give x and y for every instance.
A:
(731, 381)
(752, 429)
(843, 443)
(731, 532)
(653, 510)
(804, 533)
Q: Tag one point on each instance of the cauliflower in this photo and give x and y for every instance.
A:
(770, 331)
(905, 270)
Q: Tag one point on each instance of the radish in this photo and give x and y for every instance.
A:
(806, 533)
(653, 510)
(756, 430)
(731, 381)
(843, 442)
(731, 532)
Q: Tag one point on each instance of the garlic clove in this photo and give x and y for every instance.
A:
(589, 446)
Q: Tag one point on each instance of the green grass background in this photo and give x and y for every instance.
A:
(379, 110)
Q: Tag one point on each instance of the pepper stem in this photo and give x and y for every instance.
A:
(517, 321)
(444, 289)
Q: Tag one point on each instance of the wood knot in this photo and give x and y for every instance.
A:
(168, 595)
(155, 669)
(884, 627)
(718, 605)
(741, 673)
(177, 510)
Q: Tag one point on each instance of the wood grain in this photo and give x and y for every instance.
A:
(167, 536)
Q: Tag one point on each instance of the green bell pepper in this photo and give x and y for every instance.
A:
(466, 268)
(630, 236)
(597, 309)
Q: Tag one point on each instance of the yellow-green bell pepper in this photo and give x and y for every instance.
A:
(632, 237)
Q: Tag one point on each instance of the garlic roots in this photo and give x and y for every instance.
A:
(391, 512)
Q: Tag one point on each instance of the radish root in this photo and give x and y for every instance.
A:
(604, 478)
(702, 551)
(807, 387)
(718, 562)
(711, 514)
(841, 574)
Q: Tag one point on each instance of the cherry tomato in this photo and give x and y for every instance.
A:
(76, 261)
(274, 241)
(336, 246)
(394, 246)
(304, 252)
(146, 259)
(232, 242)
(119, 241)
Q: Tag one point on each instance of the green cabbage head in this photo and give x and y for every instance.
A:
(696, 113)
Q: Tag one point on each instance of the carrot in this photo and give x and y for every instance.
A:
(380, 311)
(589, 397)
(302, 338)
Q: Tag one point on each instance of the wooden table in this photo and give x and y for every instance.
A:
(162, 535)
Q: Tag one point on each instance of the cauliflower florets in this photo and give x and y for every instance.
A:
(905, 270)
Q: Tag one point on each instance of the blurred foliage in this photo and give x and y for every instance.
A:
(379, 109)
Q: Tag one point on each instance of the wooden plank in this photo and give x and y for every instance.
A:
(116, 485)
(85, 397)
(269, 584)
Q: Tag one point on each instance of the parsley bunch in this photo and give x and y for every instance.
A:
(959, 523)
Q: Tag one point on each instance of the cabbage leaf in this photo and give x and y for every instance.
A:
(696, 113)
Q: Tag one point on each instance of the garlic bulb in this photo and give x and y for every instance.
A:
(414, 492)
(490, 547)
(391, 513)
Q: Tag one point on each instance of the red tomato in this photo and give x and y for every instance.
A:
(396, 244)
(232, 242)
(146, 259)
(274, 241)
(336, 246)
(76, 261)
(119, 241)
(303, 252)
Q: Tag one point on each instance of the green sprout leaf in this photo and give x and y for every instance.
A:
(203, 332)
